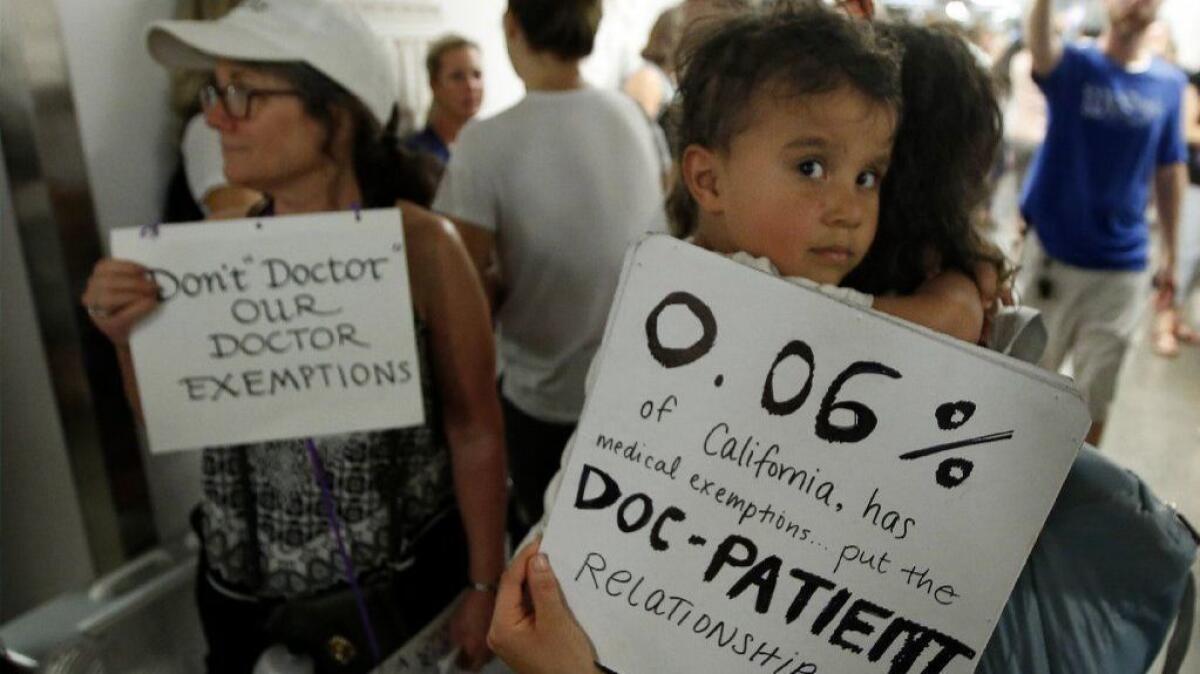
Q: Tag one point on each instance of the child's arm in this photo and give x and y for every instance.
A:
(949, 302)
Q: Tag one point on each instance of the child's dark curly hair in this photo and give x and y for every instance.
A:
(930, 206)
(789, 49)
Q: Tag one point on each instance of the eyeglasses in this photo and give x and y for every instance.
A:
(235, 98)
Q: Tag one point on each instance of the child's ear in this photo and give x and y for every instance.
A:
(700, 169)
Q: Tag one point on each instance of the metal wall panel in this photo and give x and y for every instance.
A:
(59, 239)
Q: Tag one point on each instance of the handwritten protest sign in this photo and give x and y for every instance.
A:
(275, 328)
(766, 479)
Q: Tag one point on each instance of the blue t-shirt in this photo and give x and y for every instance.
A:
(428, 141)
(1109, 129)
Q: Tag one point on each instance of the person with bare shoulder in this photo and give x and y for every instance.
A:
(313, 128)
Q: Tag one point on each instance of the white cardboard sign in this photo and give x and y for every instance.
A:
(765, 479)
(275, 328)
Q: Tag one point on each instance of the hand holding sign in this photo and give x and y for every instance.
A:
(119, 295)
(748, 489)
(532, 630)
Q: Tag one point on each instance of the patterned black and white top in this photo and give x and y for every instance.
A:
(264, 525)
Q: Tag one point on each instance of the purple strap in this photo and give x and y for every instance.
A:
(347, 563)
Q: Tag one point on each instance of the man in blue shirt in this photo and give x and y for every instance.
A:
(456, 81)
(1114, 131)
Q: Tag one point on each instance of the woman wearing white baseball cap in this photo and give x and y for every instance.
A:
(302, 94)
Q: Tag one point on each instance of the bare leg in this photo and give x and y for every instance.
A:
(1095, 433)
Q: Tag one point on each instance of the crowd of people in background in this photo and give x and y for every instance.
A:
(517, 225)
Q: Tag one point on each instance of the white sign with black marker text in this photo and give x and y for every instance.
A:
(274, 328)
(766, 479)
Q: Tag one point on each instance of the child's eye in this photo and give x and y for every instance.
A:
(811, 168)
(868, 179)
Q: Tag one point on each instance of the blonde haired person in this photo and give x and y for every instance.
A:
(455, 68)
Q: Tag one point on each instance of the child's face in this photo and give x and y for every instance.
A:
(799, 185)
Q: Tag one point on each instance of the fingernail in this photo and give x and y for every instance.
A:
(541, 562)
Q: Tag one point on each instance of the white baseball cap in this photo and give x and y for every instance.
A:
(328, 36)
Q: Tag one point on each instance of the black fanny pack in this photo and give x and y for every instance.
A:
(399, 600)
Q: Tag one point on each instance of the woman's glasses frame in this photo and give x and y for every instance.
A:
(236, 99)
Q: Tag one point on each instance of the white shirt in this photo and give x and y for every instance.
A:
(566, 181)
(203, 163)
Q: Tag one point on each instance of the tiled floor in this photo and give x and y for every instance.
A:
(1155, 431)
